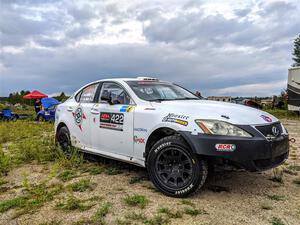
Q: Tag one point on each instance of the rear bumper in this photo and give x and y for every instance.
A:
(253, 154)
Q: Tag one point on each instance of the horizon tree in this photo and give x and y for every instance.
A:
(296, 52)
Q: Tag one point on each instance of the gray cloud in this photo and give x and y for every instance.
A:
(214, 53)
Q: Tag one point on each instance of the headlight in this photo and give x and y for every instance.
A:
(217, 127)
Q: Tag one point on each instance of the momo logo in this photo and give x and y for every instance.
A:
(78, 117)
(275, 131)
(266, 118)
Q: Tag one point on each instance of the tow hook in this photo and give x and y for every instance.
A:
(292, 140)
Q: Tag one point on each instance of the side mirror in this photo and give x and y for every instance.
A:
(106, 96)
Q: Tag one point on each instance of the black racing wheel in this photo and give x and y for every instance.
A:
(174, 169)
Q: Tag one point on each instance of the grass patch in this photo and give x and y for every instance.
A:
(170, 214)
(157, 220)
(136, 200)
(72, 203)
(294, 167)
(66, 175)
(101, 213)
(277, 175)
(297, 181)
(82, 185)
(187, 202)
(113, 171)
(194, 212)
(94, 170)
(134, 180)
(2, 181)
(276, 197)
(277, 221)
(135, 216)
(283, 114)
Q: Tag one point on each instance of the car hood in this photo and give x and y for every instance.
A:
(205, 109)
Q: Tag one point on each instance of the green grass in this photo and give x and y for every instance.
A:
(72, 203)
(283, 114)
(169, 213)
(157, 220)
(276, 197)
(134, 180)
(136, 200)
(99, 217)
(187, 202)
(94, 170)
(194, 212)
(66, 175)
(276, 221)
(113, 171)
(135, 216)
(297, 181)
(82, 185)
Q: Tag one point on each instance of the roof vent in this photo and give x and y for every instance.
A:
(147, 78)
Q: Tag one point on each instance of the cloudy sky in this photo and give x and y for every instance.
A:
(233, 47)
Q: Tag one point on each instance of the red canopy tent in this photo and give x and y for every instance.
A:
(35, 95)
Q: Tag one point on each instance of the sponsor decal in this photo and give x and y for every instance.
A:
(138, 140)
(149, 109)
(266, 118)
(184, 190)
(174, 118)
(225, 147)
(127, 108)
(112, 121)
(79, 116)
(140, 129)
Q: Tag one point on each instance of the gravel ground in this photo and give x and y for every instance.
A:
(227, 198)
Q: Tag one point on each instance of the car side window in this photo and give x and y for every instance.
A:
(88, 93)
(118, 94)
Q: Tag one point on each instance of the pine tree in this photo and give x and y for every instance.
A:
(296, 52)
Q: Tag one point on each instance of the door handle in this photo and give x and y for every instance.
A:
(70, 109)
(94, 111)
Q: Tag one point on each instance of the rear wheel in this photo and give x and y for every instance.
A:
(174, 169)
(63, 138)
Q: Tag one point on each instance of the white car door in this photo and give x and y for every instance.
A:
(81, 112)
(112, 127)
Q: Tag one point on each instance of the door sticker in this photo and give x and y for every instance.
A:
(112, 121)
(78, 117)
(126, 108)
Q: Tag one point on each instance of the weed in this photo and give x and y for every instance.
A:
(167, 211)
(297, 181)
(17, 202)
(102, 212)
(72, 203)
(136, 200)
(2, 181)
(95, 170)
(66, 175)
(187, 202)
(157, 220)
(5, 162)
(194, 212)
(277, 175)
(276, 197)
(277, 221)
(134, 180)
(135, 216)
(82, 185)
(113, 171)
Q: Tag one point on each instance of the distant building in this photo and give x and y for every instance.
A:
(220, 98)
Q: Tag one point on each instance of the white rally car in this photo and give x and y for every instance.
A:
(168, 130)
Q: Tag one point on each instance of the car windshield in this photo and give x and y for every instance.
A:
(159, 91)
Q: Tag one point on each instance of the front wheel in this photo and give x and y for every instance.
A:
(174, 169)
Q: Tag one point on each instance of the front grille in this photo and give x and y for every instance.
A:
(267, 130)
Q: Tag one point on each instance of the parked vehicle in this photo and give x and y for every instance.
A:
(48, 109)
(294, 89)
(8, 115)
(170, 131)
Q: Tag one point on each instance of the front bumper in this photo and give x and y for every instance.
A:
(254, 154)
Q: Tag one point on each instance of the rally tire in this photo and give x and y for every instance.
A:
(174, 169)
(63, 138)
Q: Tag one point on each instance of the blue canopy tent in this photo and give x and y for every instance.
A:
(49, 108)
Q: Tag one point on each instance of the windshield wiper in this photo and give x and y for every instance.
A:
(186, 98)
